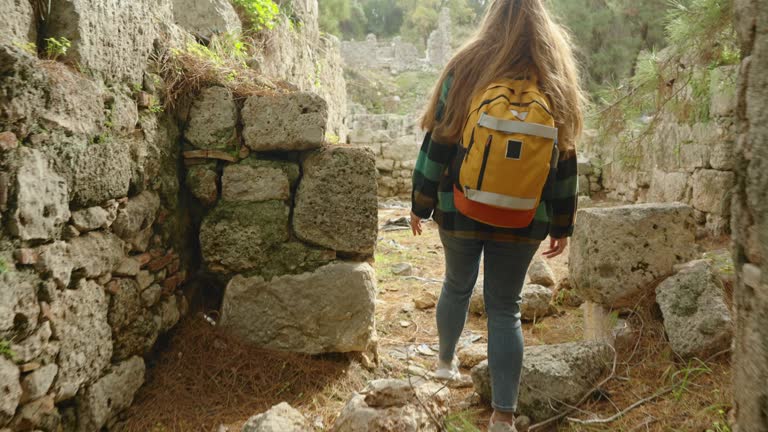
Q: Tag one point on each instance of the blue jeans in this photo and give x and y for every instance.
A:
(506, 264)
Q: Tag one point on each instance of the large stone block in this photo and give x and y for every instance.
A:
(97, 253)
(296, 121)
(243, 182)
(79, 320)
(696, 317)
(237, 237)
(111, 38)
(136, 217)
(669, 187)
(206, 17)
(336, 203)
(19, 308)
(110, 395)
(712, 191)
(330, 310)
(19, 22)
(213, 119)
(42, 198)
(553, 375)
(202, 181)
(618, 252)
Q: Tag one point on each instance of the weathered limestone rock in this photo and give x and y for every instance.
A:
(330, 310)
(91, 219)
(33, 347)
(206, 17)
(79, 320)
(540, 273)
(212, 119)
(55, 261)
(536, 302)
(202, 181)
(138, 337)
(96, 253)
(337, 192)
(472, 355)
(391, 405)
(552, 375)
(151, 295)
(112, 393)
(136, 217)
(19, 309)
(285, 122)
(245, 183)
(128, 29)
(712, 191)
(669, 187)
(124, 304)
(39, 415)
(279, 418)
(169, 313)
(10, 389)
(236, 237)
(36, 384)
(618, 252)
(42, 199)
(696, 317)
(20, 23)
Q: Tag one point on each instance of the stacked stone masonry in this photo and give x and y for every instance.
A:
(680, 162)
(395, 140)
(94, 214)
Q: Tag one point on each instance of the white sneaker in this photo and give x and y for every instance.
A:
(446, 372)
(501, 427)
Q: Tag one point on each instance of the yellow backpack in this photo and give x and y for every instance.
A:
(506, 154)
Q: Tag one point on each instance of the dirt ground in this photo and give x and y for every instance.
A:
(200, 379)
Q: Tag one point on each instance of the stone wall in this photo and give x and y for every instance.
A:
(397, 55)
(750, 226)
(681, 162)
(97, 224)
(395, 140)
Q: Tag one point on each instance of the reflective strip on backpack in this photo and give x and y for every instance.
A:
(517, 127)
(499, 200)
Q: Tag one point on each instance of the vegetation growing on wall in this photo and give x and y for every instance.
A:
(258, 14)
(676, 80)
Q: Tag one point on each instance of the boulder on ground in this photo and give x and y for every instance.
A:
(336, 204)
(292, 122)
(696, 317)
(391, 405)
(540, 273)
(212, 119)
(330, 310)
(110, 395)
(471, 355)
(553, 375)
(618, 252)
(279, 418)
(79, 321)
(536, 302)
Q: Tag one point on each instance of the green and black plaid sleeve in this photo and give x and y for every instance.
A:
(434, 158)
(565, 197)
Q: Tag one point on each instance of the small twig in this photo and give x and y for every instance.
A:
(623, 412)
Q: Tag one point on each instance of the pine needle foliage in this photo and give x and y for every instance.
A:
(674, 81)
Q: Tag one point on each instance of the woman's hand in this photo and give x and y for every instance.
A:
(415, 224)
(556, 247)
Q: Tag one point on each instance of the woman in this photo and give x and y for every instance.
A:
(518, 38)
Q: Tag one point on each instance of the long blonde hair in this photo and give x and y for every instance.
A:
(516, 38)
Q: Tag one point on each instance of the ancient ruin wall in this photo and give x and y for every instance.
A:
(96, 233)
(750, 227)
(680, 162)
